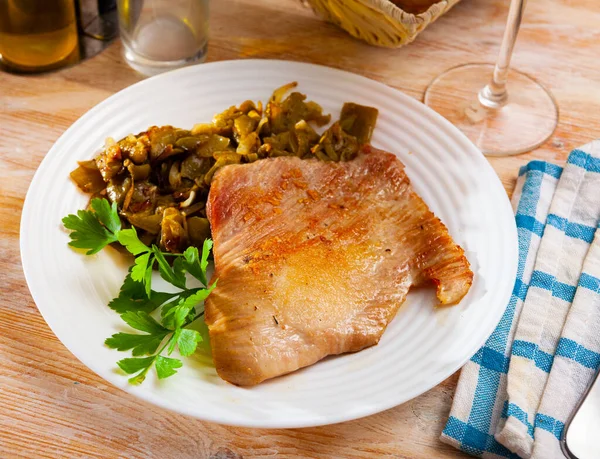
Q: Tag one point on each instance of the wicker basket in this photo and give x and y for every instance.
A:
(378, 22)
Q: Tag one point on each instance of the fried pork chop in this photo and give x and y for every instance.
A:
(315, 258)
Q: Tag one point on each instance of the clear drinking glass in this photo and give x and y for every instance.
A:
(475, 98)
(160, 35)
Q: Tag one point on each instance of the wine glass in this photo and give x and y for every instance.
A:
(475, 98)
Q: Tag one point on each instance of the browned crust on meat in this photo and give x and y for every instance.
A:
(315, 259)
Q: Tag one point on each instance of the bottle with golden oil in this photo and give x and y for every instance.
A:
(36, 34)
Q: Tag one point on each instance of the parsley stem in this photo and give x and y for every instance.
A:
(166, 344)
(194, 319)
(142, 375)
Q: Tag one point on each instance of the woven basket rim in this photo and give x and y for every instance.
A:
(380, 22)
(391, 9)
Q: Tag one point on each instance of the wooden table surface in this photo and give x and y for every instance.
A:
(52, 406)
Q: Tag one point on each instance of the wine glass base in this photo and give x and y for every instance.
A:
(526, 121)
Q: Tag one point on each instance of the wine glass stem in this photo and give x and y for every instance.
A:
(494, 94)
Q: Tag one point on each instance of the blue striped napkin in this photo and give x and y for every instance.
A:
(516, 393)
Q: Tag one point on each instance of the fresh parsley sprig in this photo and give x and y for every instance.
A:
(137, 303)
(94, 229)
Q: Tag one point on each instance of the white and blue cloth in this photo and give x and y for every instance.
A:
(516, 393)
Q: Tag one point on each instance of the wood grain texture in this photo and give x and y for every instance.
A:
(51, 406)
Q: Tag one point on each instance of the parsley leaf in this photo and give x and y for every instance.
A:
(175, 314)
(130, 288)
(187, 341)
(179, 271)
(129, 239)
(197, 297)
(196, 265)
(139, 378)
(206, 247)
(173, 275)
(202, 328)
(160, 298)
(173, 341)
(142, 321)
(122, 304)
(130, 366)
(107, 214)
(87, 232)
(148, 280)
(132, 297)
(94, 229)
(165, 366)
(140, 344)
(183, 313)
(139, 269)
(191, 263)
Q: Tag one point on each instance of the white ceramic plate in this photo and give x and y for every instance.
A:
(420, 348)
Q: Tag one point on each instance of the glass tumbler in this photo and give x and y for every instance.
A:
(160, 35)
